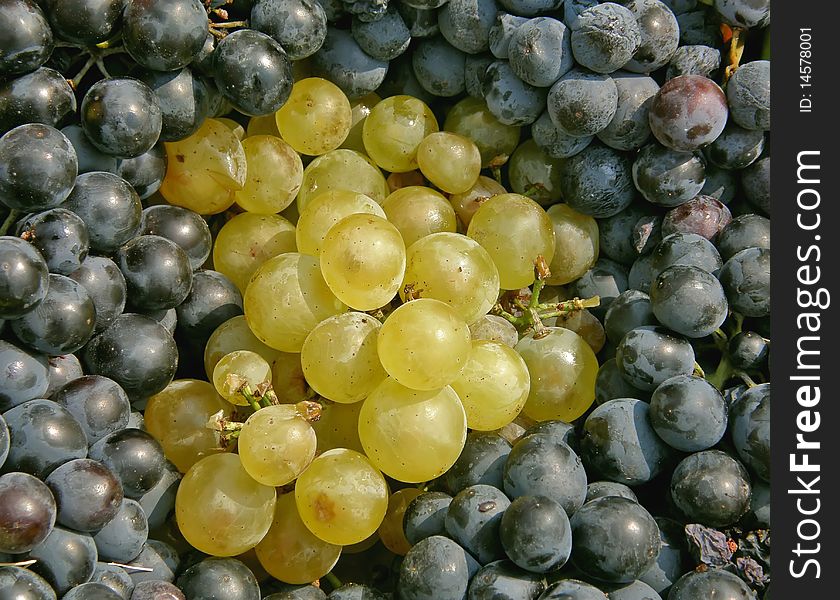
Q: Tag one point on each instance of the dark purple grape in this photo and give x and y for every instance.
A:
(607, 279)
(135, 457)
(42, 96)
(157, 272)
(605, 37)
(164, 35)
(750, 429)
(87, 493)
(647, 356)
(24, 277)
(156, 590)
(642, 273)
(152, 556)
(610, 384)
(27, 512)
(746, 279)
(182, 226)
(736, 147)
(135, 351)
(629, 128)
(671, 561)
(27, 37)
(556, 429)
(748, 93)
(504, 580)
(366, 10)
(61, 237)
(711, 488)
(4, 441)
(384, 39)
(425, 516)
(555, 142)
(755, 180)
(473, 521)
(466, 24)
(300, 26)
(298, 592)
(688, 413)
(721, 184)
(540, 51)
(688, 113)
(218, 578)
(582, 103)
(689, 301)
(744, 13)
(145, 172)
(694, 60)
(745, 231)
(91, 591)
(342, 61)
(501, 33)
(65, 559)
(481, 461)
(660, 35)
(38, 167)
(422, 22)
(159, 502)
(439, 67)
(511, 100)
(666, 177)
(435, 568)
(613, 241)
(572, 589)
(530, 8)
(122, 538)
(702, 215)
(23, 584)
(85, 22)
(24, 377)
(105, 284)
(536, 534)
(90, 158)
(598, 182)
(631, 309)
(184, 101)
(115, 578)
(99, 404)
(685, 249)
(748, 350)
(213, 299)
(605, 489)
(475, 67)
(697, 30)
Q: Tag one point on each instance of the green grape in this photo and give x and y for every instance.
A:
(247, 241)
(233, 334)
(455, 269)
(412, 435)
(341, 169)
(391, 532)
(177, 417)
(535, 174)
(585, 324)
(494, 385)
(363, 261)
(338, 427)
(238, 368)
(274, 175)
(563, 369)
(467, 203)
(394, 129)
(316, 118)
(327, 209)
(472, 119)
(286, 298)
(342, 498)
(220, 509)
(277, 442)
(289, 551)
(360, 109)
(515, 230)
(416, 211)
(424, 344)
(287, 378)
(339, 357)
(450, 161)
(205, 170)
(262, 125)
(576, 244)
(495, 329)
(235, 127)
(363, 546)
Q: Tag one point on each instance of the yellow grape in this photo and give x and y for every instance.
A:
(263, 125)
(533, 173)
(316, 118)
(563, 370)
(289, 551)
(394, 129)
(424, 344)
(338, 427)
(277, 442)
(205, 170)
(233, 334)
(287, 378)
(576, 244)
(585, 324)
(391, 532)
(238, 368)
(467, 203)
(495, 329)
(286, 298)
(342, 498)
(177, 417)
(342, 169)
(455, 269)
(412, 435)
(247, 241)
(220, 509)
(360, 109)
(275, 172)
(363, 261)
(494, 385)
(339, 357)
(363, 546)
(495, 141)
(515, 230)
(327, 209)
(450, 161)
(235, 127)
(416, 211)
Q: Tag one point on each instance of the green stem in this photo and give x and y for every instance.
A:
(246, 392)
(82, 72)
(229, 24)
(334, 581)
(745, 378)
(698, 370)
(13, 216)
(722, 374)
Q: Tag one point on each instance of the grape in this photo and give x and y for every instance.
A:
(671, 561)
(660, 35)
(302, 592)
(748, 93)
(425, 516)
(536, 534)
(356, 591)
(748, 350)
(339, 357)
(342, 169)
(614, 539)
(26, 584)
(647, 356)
(38, 167)
(710, 583)
(421, 18)
(276, 444)
(91, 591)
(688, 113)
(205, 170)
(163, 35)
(43, 96)
(231, 335)
(501, 33)
(424, 344)
(383, 39)
(745, 278)
(109, 207)
(605, 37)
(629, 128)
(481, 462)
(275, 172)
(607, 279)
(115, 578)
(159, 502)
(756, 183)
(466, 23)
(157, 272)
(24, 277)
(666, 177)
(394, 129)
(702, 215)
(145, 173)
(694, 60)
(27, 512)
(65, 559)
(439, 67)
(29, 39)
(450, 161)
(391, 531)
(417, 211)
(750, 429)
(605, 489)
(161, 559)
(359, 109)
(576, 244)
(711, 488)
(721, 184)
(572, 589)
(496, 141)
(342, 61)
(286, 285)
(689, 300)
(99, 405)
(135, 457)
(744, 14)
(555, 142)
(435, 568)
(558, 430)
(533, 173)
(300, 26)
(688, 413)
(155, 589)
(60, 236)
(735, 147)
(216, 498)
(562, 367)
(508, 98)
(25, 377)
(316, 118)
(237, 369)
(745, 231)
(582, 103)
(324, 211)
(434, 420)
(473, 520)
(598, 182)
(685, 249)
(610, 384)
(341, 498)
(631, 309)
(89, 157)
(219, 578)
(494, 329)
(540, 51)
(86, 22)
(62, 370)
(87, 493)
(338, 427)
(184, 99)
(213, 299)
(122, 538)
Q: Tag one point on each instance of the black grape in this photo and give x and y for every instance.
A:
(425, 516)
(4, 441)
(629, 310)
(605, 37)
(610, 384)
(87, 493)
(115, 578)
(647, 356)
(748, 350)
(98, 403)
(755, 180)
(42, 96)
(666, 177)
(540, 51)
(501, 33)
(711, 488)
(134, 456)
(439, 67)
(712, 583)
(686, 249)
(694, 60)
(105, 284)
(214, 577)
(182, 226)
(27, 38)
(27, 512)
(24, 277)
(122, 538)
(582, 103)
(702, 215)
(598, 182)
(604, 489)
(735, 147)
(157, 272)
(536, 534)
(671, 562)
(184, 101)
(744, 13)
(213, 299)
(25, 377)
(629, 128)
(473, 521)
(613, 241)
(435, 568)
(554, 141)
(89, 157)
(748, 93)
(145, 172)
(466, 23)
(660, 35)
(750, 429)
(606, 279)
(688, 413)
(746, 279)
(300, 26)
(688, 113)
(342, 61)
(689, 300)
(65, 559)
(159, 557)
(61, 237)
(481, 461)
(572, 589)
(91, 591)
(745, 231)
(85, 22)
(384, 39)
(164, 35)
(156, 590)
(23, 584)
(511, 100)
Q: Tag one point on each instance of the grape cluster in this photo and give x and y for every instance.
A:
(455, 299)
